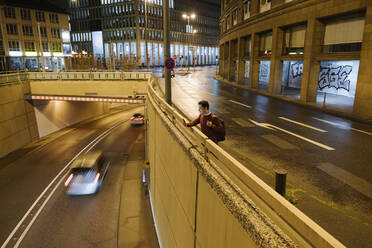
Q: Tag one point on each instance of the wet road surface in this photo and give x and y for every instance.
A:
(60, 220)
(328, 159)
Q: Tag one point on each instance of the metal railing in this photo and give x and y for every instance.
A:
(119, 76)
(12, 78)
(89, 76)
(303, 230)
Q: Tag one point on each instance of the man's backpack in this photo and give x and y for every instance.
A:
(221, 135)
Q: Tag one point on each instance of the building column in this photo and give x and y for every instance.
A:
(254, 65)
(151, 53)
(230, 63)
(276, 66)
(226, 60)
(362, 102)
(313, 41)
(138, 37)
(159, 55)
(241, 62)
(221, 62)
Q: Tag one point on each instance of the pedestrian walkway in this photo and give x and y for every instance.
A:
(136, 226)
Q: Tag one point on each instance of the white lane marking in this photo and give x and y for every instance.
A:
(272, 127)
(222, 111)
(346, 177)
(260, 124)
(37, 213)
(242, 104)
(306, 139)
(303, 124)
(343, 126)
(242, 122)
(99, 137)
(279, 142)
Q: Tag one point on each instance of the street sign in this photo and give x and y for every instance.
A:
(169, 63)
(174, 56)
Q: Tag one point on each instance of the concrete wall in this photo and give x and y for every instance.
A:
(93, 88)
(17, 118)
(193, 204)
(173, 189)
(52, 116)
(202, 197)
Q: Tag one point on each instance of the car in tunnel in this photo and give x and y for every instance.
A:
(86, 174)
(137, 120)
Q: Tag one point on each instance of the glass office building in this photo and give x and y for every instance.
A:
(117, 29)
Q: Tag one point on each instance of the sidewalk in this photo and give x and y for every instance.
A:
(339, 112)
(136, 227)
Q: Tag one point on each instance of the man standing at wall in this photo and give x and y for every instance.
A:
(210, 124)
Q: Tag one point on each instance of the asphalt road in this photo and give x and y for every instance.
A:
(67, 221)
(328, 159)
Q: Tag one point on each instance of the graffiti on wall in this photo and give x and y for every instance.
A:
(336, 77)
(264, 76)
(292, 74)
(297, 69)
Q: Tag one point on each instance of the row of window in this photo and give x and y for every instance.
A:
(128, 9)
(118, 35)
(29, 46)
(155, 24)
(344, 35)
(28, 31)
(120, 22)
(26, 15)
(235, 17)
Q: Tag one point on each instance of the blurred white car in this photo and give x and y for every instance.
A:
(86, 174)
(137, 120)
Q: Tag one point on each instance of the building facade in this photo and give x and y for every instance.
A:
(117, 29)
(312, 50)
(26, 29)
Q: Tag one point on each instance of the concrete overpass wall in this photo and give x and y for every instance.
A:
(55, 115)
(52, 116)
(21, 122)
(88, 88)
(18, 125)
(104, 84)
(202, 197)
(194, 206)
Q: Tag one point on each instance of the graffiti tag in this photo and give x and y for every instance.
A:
(264, 70)
(336, 77)
(297, 70)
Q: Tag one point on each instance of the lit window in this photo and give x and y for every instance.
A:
(29, 46)
(12, 29)
(9, 12)
(14, 45)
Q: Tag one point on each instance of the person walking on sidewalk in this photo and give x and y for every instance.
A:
(210, 124)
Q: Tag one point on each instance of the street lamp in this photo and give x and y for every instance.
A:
(187, 16)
